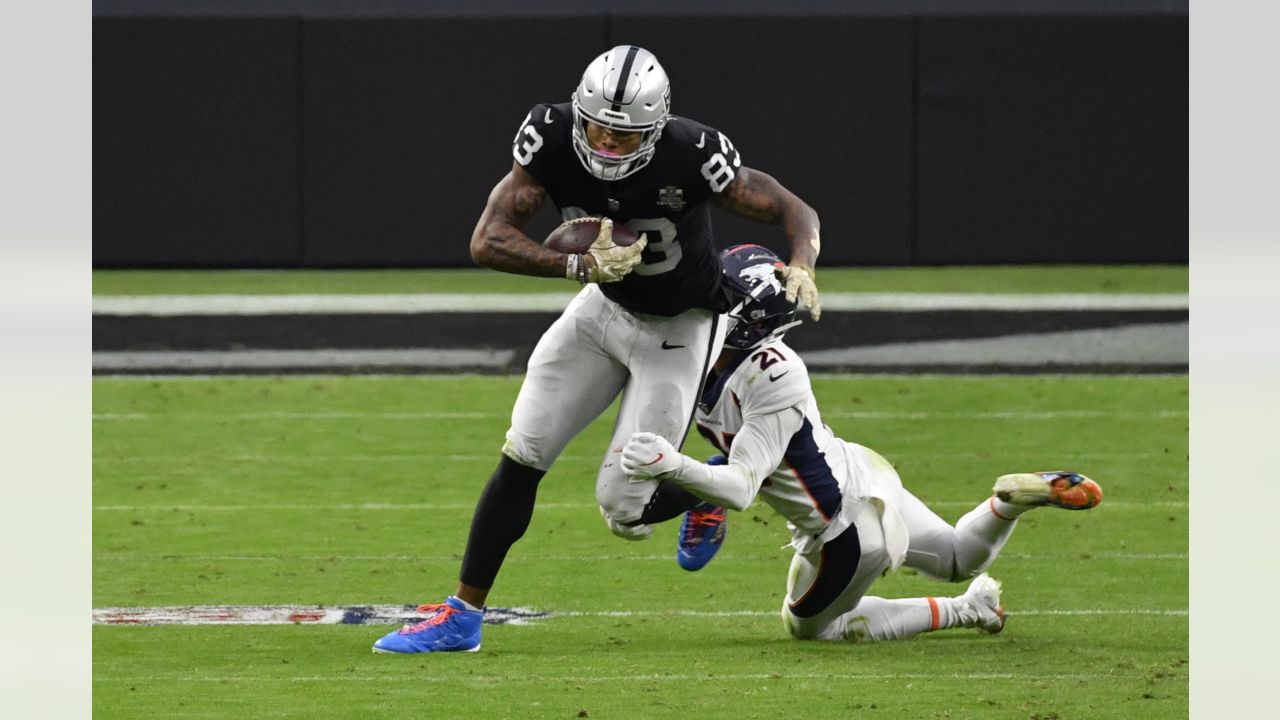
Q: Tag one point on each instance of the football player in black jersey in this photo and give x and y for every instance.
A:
(646, 324)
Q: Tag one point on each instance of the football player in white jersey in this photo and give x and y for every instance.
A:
(647, 321)
(849, 515)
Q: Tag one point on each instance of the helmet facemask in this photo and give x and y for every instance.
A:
(625, 89)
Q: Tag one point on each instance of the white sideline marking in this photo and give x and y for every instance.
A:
(397, 614)
(311, 507)
(134, 557)
(452, 678)
(423, 457)
(209, 360)
(169, 305)
(868, 415)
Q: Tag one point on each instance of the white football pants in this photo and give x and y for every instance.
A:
(594, 351)
(936, 549)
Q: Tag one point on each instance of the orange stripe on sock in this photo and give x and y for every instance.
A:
(992, 504)
(933, 613)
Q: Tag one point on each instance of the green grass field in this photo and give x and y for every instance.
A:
(1004, 278)
(359, 490)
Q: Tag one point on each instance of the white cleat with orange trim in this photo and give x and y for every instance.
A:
(1059, 488)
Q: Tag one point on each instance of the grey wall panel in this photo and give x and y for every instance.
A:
(1057, 139)
(195, 142)
(408, 126)
(823, 105)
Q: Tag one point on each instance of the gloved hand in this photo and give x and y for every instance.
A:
(608, 262)
(647, 455)
(800, 281)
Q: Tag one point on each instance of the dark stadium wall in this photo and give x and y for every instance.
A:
(229, 134)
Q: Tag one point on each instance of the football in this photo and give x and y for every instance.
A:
(576, 236)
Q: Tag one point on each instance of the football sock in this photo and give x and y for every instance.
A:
(877, 619)
(502, 515)
(468, 605)
(980, 535)
(1009, 510)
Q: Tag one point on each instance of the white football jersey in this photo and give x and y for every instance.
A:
(814, 473)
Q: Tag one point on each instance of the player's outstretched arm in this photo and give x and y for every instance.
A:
(758, 196)
(499, 241)
(757, 450)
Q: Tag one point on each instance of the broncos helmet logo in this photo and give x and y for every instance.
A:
(763, 312)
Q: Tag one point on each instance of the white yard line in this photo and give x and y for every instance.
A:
(701, 677)
(320, 507)
(170, 305)
(396, 614)
(135, 557)
(857, 415)
(209, 360)
(426, 457)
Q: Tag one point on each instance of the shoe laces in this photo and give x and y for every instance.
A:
(699, 520)
(443, 611)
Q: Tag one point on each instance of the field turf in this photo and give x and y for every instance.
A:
(1031, 279)
(359, 490)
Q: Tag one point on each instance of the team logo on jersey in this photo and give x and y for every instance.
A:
(671, 197)
(614, 206)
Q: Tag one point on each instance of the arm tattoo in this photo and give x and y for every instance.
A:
(757, 196)
(753, 195)
(526, 203)
(500, 242)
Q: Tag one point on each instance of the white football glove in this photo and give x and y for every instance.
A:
(800, 283)
(612, 263)
(647, 455)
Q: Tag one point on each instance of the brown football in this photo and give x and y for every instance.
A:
(576, 236)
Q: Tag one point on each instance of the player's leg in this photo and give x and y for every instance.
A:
(668, 359)
(948, 553)
(570, 381)
(877, 619)
(937, 549)
(824, 586)
(979, 535)
(826, 593)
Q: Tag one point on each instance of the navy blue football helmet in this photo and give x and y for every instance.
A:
(762, 312)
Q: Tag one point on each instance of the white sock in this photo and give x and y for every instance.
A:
(982, 533)
(468, 605)
(1008, 510)
(876, 619)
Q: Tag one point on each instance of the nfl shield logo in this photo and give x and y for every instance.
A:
(671, 197)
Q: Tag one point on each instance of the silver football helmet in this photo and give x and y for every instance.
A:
(624, 89)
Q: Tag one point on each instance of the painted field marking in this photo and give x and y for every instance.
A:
(424, 457)
(863, 415)
(701, 677)
(137, 557)
(314, 507)
(400, 614)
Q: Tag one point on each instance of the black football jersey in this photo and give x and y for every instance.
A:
(680, 266)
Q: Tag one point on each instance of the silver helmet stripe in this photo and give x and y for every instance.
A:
(621, 91)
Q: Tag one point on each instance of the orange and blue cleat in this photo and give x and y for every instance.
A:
(1067, 490)
(453, 628)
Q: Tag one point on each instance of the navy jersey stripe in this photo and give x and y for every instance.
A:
(620, 92)
(837, 564)
(811, 468)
